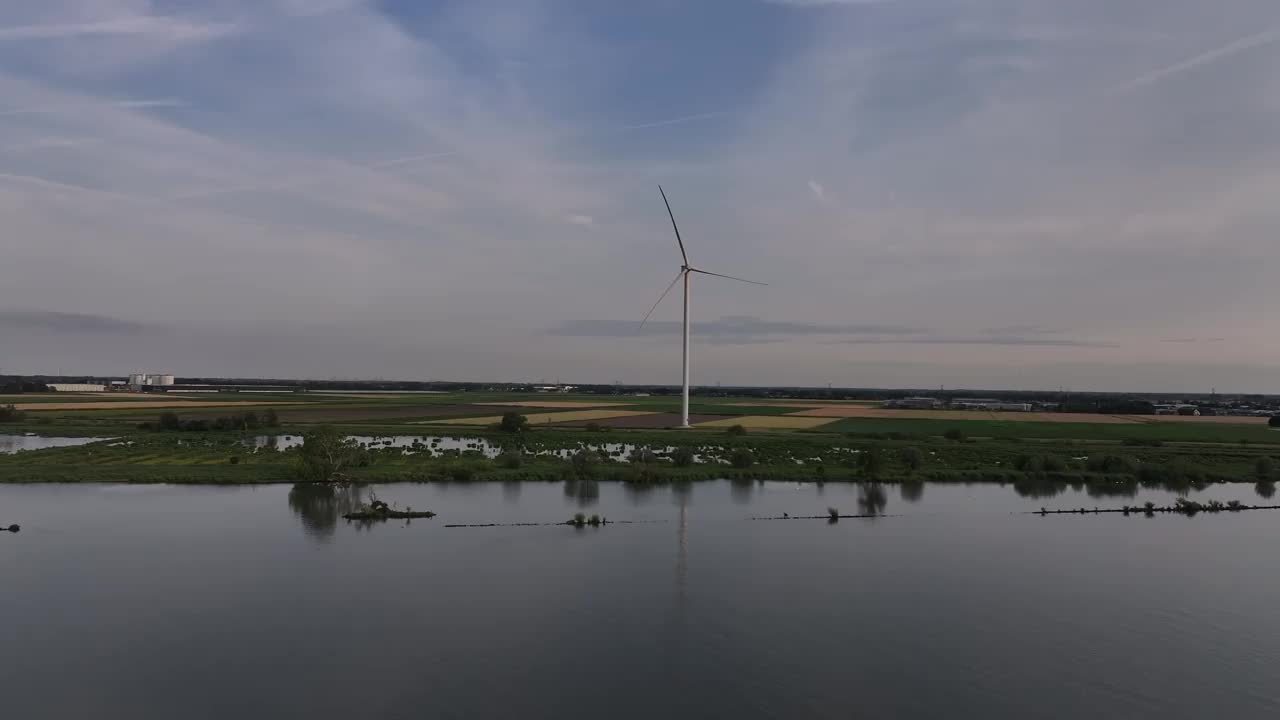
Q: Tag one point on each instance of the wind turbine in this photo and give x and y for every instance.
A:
(686, 270)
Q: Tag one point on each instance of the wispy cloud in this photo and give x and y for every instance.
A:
(169, 28)
(1265, 37)
(672, 121)
(88, 105)
(732, 326)
(1013, 341)
(66, 322)
(818, 191)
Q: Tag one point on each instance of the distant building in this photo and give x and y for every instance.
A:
(77, 387)
(989, 404)
(914, 403)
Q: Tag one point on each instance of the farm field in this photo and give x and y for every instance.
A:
(142, 404)
(542, 418)
(768, 422)
(104, 414)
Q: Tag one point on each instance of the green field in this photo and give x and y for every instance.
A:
(950, 450)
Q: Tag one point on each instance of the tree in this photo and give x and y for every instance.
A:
(1274, 421)
(912, 458)
(9, 413)
(1264, 468)
(954, 434)
(871, 461)
(737, 430)
(682, 457)
(325, 454)
(742, 458)
(169, 422)
(270, 418)
(513, 422)
(584, 462)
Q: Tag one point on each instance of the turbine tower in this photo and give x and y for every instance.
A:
(686, 271)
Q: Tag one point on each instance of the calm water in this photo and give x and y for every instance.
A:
(17, 443)
(162, 602)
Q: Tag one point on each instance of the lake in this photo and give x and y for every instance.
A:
(20, 443)
(160, 601)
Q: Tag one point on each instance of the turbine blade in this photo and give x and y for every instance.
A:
(661, 298)
(674, 226)
(730, 277)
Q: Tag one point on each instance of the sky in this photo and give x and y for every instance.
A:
(981, 193)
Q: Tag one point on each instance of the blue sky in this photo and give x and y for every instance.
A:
(997, 193)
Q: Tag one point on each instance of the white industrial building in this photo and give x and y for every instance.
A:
(138, 381)
(76, 387)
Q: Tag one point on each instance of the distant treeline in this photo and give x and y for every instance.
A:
(171, 422)
(1104, 402)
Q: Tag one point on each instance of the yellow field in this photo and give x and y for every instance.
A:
(540, 418)
(142, 404)
(552, 404)
(769, 422)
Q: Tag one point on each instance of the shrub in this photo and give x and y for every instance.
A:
(682, 457)
(461, 473)
(584, 462)
(1040, 463)
(737, 430)
(642, 456)
(955, 434)
(871, 461)
(1264, 468)
(1274, 421)
(592, 427)
(169, 421)
(235, 460)
(742, 458)
(509, 460)
(10, 413)
(912, 458)
(1110, 464)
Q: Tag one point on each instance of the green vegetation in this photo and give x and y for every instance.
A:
(325, 454)
(10, 413)
(213, 445)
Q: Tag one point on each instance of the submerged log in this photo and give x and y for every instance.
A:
(387, 514)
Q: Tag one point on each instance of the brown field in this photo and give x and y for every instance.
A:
(654, 421)
(769, 422)
(868, 412)
(805, 403)
(1217, 419)
(552, 404)
(546, 418)
(142, 404)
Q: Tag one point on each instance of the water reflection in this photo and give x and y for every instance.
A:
(1038, 487)
(1119, 488)
(739, 490)
(912, 491)
(1265, 488)
(511, 491)
(872, 498)
(321, 505)
(585, 491)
